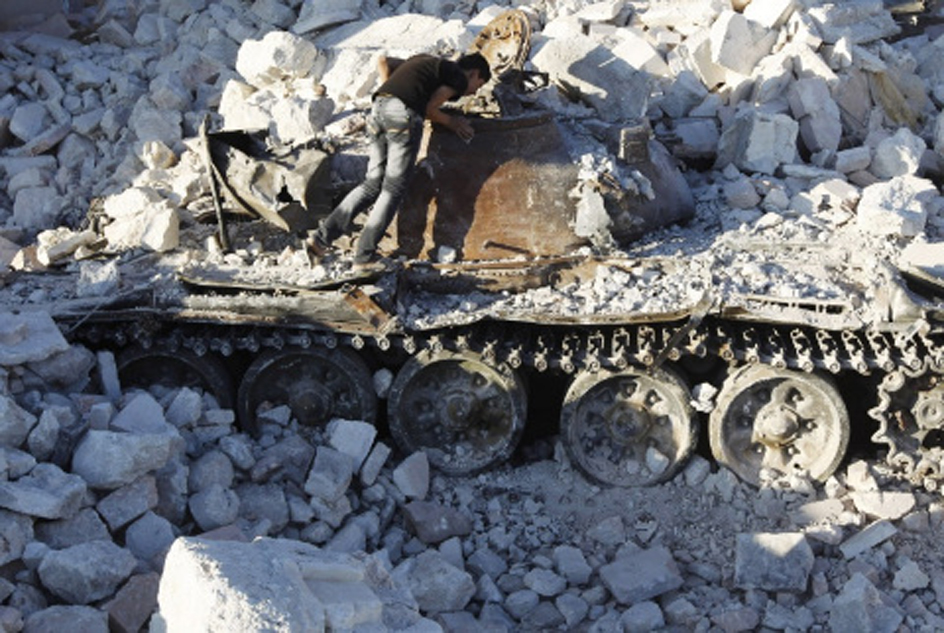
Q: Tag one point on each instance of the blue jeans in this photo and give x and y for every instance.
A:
(395, 139)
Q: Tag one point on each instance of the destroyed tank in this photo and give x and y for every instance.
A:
(502, 295)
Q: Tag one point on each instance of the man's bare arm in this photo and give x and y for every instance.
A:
(386, 65)
(459, 125)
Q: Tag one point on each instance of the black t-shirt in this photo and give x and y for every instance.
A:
(415, 80)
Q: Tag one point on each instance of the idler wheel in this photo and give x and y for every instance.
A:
(629, 427)
(779, 420)
(464, 413)
(318, 385)
(143, 367)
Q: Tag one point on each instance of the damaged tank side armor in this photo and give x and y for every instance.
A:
(464, 337)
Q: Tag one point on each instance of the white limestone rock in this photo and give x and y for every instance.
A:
(278, 56)
(861, 606)
(351, 74)
(57, 244)
(860, 21)
(180, 10)
(28, 120)
(695, 54)
(739, 43)
(107, 460)
(812, 105)
(27, 337)
(636, 49)
(853, 159)
(773, 562)
(232, 586)
(141, 217)
(899, 206)
(616, 90)
(16, 423)
(898, 155)
(400, 35)
(756, 141)
(770, 14)
(87, 572)
(37, 208)
(315, 14)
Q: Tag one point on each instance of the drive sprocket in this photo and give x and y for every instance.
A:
(910, 412)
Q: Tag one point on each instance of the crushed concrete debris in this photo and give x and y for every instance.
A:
(410, 548)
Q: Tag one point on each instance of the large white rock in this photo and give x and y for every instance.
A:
(898, 155)
(153, 124)
(400, 35)
(860, 21)
(28, 337)
(770, 14)
(818, 114)
(738, 43)
(107, 460)
(317, 14)
(637, 51)
(351, 74)
(292, 111)
(772, 77)
(29, 120)
(155, 227)
(265, 585)
(899, 206)
(277, 56)
(757, 141)
(689, 15)
(36, 208)
(15, 423)
(616, 90)
(695, 54)
(129, 202)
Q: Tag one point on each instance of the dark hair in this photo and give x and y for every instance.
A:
(476, 61)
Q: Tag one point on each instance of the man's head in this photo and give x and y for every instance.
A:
(476, 69)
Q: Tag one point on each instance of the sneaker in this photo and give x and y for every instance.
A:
(315, 246)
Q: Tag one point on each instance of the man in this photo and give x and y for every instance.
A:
(414, 90)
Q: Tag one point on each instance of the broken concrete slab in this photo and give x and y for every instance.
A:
(773, 562)
(642, 575)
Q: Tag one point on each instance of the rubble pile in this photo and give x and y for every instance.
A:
(813, 126)
(129, 509)
(801, 121)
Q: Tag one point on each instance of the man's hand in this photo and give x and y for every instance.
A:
(462, 128)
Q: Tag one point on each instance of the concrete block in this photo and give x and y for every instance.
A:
(739, 43)
(640, 576)
(773, 562)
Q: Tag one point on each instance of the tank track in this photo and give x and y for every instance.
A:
(910, 409)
